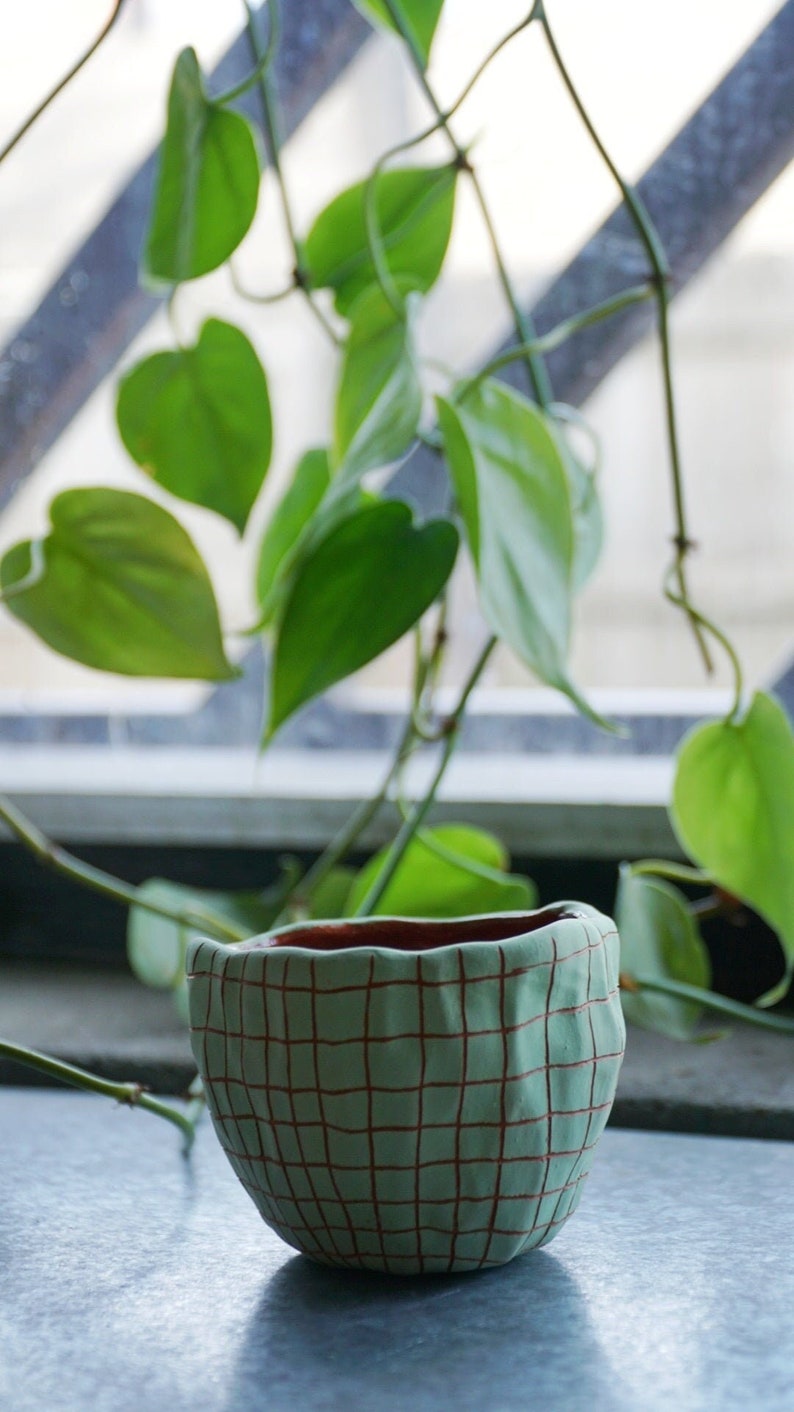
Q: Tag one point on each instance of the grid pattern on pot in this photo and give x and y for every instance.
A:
(426, 1111)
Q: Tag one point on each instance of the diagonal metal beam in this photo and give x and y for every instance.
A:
(95, 307)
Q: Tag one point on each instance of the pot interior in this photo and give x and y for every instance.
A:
(408, 934)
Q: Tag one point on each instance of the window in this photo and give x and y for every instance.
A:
(183, 759)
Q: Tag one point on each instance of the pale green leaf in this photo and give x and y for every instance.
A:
(588, 517)
(156, 945)
(733, 810)
(659, 939)
(514, 494)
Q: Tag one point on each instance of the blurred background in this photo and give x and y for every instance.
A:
(733, 328)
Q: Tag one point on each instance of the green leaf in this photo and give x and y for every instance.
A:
(198, 420)
(363, 585)
(513, 490)
(419, 16)
(291, 541)
(588, 516)
(294, 511)
(207, 185)
(329, 898)
(156, 946)
(123, 588)
(448, 871)
(379, 398)
(733, 810)
(659, 938)
(415, 207)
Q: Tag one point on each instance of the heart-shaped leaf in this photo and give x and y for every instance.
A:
(379, 398)
(659, 938)
(156, 946)
(207, 184)
(123, 588)
(414, 206)
(419, 17)
(309, 484)
(198, 420)
(452, 870)
(733, 810)
(514, 494)
(353, 594)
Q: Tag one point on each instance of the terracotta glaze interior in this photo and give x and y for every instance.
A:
(398, 934)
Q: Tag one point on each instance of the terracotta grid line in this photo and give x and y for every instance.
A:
(396, 981)
(441, 1230)
(549, 1100)
(264, 1161)
(504, 1029)
(450, 1200)
(455, 1126)
(593, 1106)
(459, 1114)
(381, 1167)
(420, 1117)
(327, 1229)
(428, 1034)
(373, 1166)
(563, 1064)
(275, 1213)
(326, 1145)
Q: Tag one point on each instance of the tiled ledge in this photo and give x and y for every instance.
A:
(742, 1085)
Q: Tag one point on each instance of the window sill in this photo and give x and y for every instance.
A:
(541, 806)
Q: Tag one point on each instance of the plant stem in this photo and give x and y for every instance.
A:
(547, 342)
(674, 872)
(62, 83)
(710, 1001)
(525, 331)
(275, 298)
(264, 59)
(420, 810)
(339, 847)
(725, 643)
(661, 272)
(270, 127)
(53, 856)
(130, 1094)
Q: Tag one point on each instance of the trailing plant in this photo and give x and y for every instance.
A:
(344, 570)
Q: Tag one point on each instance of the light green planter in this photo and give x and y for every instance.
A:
(412, 1096)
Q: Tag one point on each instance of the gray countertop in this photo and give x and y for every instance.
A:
(134, 1281)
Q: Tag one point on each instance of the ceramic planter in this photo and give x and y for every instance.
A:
(412, 1096)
